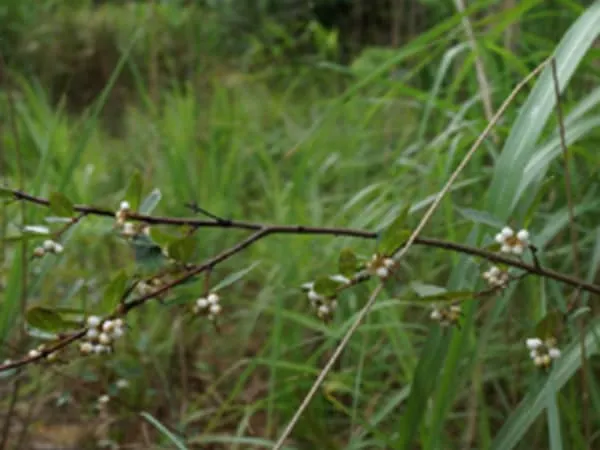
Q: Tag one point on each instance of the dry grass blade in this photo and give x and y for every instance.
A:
(424, 220)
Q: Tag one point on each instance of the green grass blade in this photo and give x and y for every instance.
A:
(177, 442)
(525, 132)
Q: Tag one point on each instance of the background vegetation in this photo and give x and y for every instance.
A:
(331, 112)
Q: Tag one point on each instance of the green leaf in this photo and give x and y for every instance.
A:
(326, 286)
(150, 202)
(148, 256)
(60, 205)
(161, 238)
(347, 263)
(182, 249)
(431, 293)
(45, 319)
(394, 235)
(5, 192)
(232, 278)
(133, 194)
(520, 146)
(113, 292)
(550, 326)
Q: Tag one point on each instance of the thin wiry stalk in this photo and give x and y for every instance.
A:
(400, 254)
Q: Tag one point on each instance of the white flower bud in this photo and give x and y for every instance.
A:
(202, 303)
(52, 356)
(86, 348)
(122, 384)
(507, 232)
(499, 238)
(533, 354)
(104, 339)
(49, 245)
(323, 311)
(117, 332)
(91, 334)
(118, 323)
(538, 361)
(213, 298)
(104, 399)
(382, 272)
(533, 343)
(39, 252)
(93, 321)
(128, 229)
(517, 249)
(554, 353)
(313, 296)
(58, 248)
(34, 353)
(215, 309)
(546, 360)
(389, 263)
(436, 314)
(124, 206)
(506, 248)
(523, 236)
(108, 326)
(99, 349)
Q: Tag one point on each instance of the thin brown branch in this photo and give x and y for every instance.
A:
(268, 229)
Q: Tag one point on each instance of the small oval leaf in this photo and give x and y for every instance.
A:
(394, 235)
(45, 319)
(133, 194)
(348, 263)
(182, 249)
(113, 293)
(60, 205)
(326, 286)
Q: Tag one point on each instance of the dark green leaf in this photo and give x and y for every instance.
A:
(326, 286)
(148, 256)
(550, 326)
(61, 205)
(347, 263)
(394, 235)
(150, 202)
(113, 292)
(162, 238)
(182, 249)
(133, 194)
(45, 319)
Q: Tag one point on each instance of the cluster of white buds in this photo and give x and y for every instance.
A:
(208, 306)
(49, 246)
(324, 307)
(100, 335)
(446, 315)
(541, 352)
(496, 277)
(380, 266)
(512, 242)
(37, 352)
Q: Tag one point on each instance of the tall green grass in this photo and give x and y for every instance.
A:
(304, 153)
